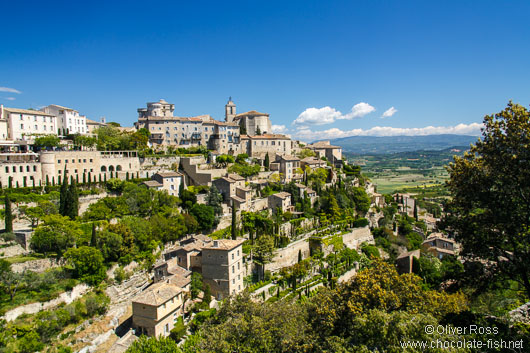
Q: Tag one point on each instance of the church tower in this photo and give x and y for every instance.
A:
(230, 111)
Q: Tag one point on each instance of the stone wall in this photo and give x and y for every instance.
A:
(152, 165)
(288, 256)
(357, 236)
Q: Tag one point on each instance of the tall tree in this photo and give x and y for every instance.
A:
(415, 211)
(63, 193)
(263, 253)
(234, 222)
(8, 215)
(72, 201)
(489, 211)
(266, 162)
(93, 238)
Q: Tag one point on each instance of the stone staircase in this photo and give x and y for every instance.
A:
(129, 288)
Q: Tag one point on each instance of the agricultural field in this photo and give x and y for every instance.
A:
(415, 171)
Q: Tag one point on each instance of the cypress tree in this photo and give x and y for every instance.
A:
(72, 201)
(181, 188)
(84, 178)
(34, 183)
(10, 182)
(415, 211)
(8, 215)
(267, 161)
(234, 222)
(63, 195)
(105, 177)
(18, 185)
(100, 178)
(24, 182)
(299, 256)
(89, 179)
(93, 239)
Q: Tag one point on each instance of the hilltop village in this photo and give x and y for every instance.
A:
(112, 233)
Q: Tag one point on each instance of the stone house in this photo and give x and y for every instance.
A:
(156, 309)
(281, 200)
(222, 267)
(439, 245)
(170, 181)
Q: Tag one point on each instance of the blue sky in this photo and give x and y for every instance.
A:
(319, 68)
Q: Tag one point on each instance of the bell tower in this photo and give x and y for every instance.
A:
(230, 111)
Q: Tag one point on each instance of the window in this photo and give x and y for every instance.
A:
(232, 256)
(22, 126)
(238, 265)
(14, 169)
(84, 160)
(59, 161)
(234, 281)
(36, 127)
(27, 168)
(35, 118)
(60, 171)
(238, 277)
(21, 168)
(91, 160)
(7, 169)
(233, 269)
(238, 253)
(66, 161)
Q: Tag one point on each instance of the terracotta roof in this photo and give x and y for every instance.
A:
(152, 183)
(158, 294)
(169, 174)
(282, 195)
(238, 199)
(290, 158)
(92, 122)
(236, 177)
(179, 281)
(300, 186)
(27, 111)
(61, 107)
(269, 136)
(312, 160)
(251, 113)
(225, 244)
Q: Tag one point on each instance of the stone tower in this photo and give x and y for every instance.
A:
(230, 111)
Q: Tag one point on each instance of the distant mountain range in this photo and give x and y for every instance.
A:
(394, 144)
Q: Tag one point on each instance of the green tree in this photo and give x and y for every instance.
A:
(56, 234)
(63, 193)
(490, 189)
(72, 201)
(154, 345)
(87, 263)
(263, 253)
(234, 229)
(267, 162)
(93, 237)
(8, 216)
(204, 214)
(214, 200)
(46, 141)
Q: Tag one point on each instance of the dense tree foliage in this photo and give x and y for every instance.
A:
(490, 188)
(55, 235)
(88, 264)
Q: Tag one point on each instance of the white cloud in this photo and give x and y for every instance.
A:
(317, 116)
(10, 90)
(10, 98)
(327, 115)
(389, 112)
(279, 129)
(307, 134)
(358, 111)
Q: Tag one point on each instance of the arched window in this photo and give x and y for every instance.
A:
(111, 168)
(118, 168)
(103, 168)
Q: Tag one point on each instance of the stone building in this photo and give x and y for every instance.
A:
(157, 308)
(222, 267)
(439, 245)
(25, 124)
(228, 185)
(281, 200)
(333, 154)
(69, 121)
(22, 169)
(259, 146)
(254, 123)
(169, 130)
(170, 182)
